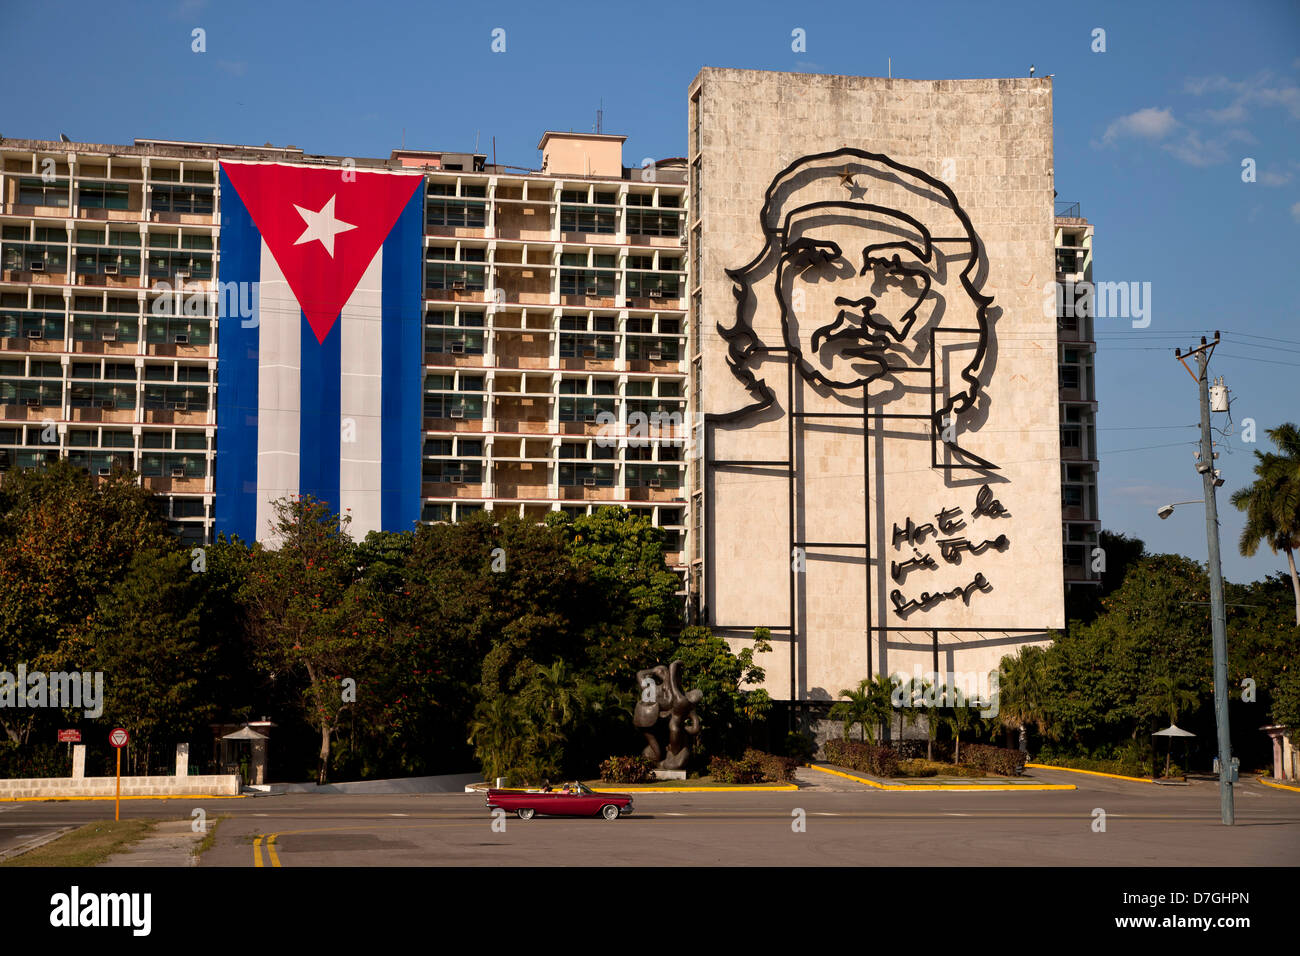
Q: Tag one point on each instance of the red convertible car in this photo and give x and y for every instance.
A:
(571, 800)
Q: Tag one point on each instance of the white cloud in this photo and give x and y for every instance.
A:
(1295, 212)
(1260, 90)
(1270, 178)
(1149, 123)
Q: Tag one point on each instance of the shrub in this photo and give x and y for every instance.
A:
(744, 770)
(998, 760)
(1119, 767)
(919, 767)
(869, 758)
(754, 766)
(775, 769)
(636, 769)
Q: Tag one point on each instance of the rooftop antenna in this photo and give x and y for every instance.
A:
(403, 137)
(600, 116)
(476, 141)
(891, 67)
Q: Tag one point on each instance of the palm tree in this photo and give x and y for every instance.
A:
(1173, 698)
(1021, 690)
(857, 708)
(1272, 503)
(960, 717)
(880, 692)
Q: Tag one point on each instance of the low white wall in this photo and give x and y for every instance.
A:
(222, 785)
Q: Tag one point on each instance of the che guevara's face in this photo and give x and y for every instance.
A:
(856, 296)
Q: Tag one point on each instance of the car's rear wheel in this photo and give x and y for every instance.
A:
(609, 812)
(525, 813)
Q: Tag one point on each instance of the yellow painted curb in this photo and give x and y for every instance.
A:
(1277, 786)
(1094, 773)
(183, 796)
(960, 787)
(766, 788)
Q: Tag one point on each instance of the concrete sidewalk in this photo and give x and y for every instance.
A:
(172, 843)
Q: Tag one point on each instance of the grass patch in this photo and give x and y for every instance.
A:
(210, 839)
(89, 845)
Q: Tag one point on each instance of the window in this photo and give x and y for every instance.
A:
(455, 213)
(182, 199)
(1069, 376)
(1072, 496)
(103, 195)
(602, 476)
(37, 192)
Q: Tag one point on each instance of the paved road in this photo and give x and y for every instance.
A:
(849, 825)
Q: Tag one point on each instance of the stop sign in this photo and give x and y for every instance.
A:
(119, 737)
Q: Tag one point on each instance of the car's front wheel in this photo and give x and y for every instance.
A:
(609, 812)
(525, 813)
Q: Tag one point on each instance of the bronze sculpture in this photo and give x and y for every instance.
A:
(662, 696)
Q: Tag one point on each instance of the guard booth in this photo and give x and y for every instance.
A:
(244, 749)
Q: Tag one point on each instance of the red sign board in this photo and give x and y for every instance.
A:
(69, 736)
(118, 737)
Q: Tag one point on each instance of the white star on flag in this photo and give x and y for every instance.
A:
(322, 226)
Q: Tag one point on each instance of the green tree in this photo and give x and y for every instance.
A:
(65, 540)
(1272, 502)
(147, 636)
(733, 705)
(858, 706)
(1168, 697)
(310, 619)
(1022, 680)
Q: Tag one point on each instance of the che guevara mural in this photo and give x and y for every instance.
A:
(881, 467)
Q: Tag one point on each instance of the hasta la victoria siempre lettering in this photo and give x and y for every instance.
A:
(950, 549)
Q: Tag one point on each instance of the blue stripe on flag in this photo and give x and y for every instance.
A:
(235, 481)
(321, 421)
(403, 410)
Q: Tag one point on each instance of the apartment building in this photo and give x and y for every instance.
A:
(1077, 350)
(553, 326)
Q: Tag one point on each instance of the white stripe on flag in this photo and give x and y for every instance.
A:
(361, 402)
(279, 391)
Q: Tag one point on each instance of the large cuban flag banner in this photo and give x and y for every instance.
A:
(318, 390)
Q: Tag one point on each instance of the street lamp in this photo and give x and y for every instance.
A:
(1166, 510)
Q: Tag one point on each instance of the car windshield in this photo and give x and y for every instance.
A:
(581, 788)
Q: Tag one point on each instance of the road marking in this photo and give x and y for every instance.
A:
(399, 814)
(674, 814)
(823, 813)
(270, 848)
(257, 851)
(956, 814)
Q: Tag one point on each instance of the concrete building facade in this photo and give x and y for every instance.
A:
(879, 477)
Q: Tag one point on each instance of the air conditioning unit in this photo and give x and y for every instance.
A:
(110, 270)
(108, 336)
(108, 403)
(458, 285)
(33, 403)
(591, 290)
(182, 274)
(456, 479)
(36, 266)
(456, 412)
(589, 482)
(457, 348)
(656, 293)
(655, 356)
(181, 338)
(35, 334)
(590, 419)
(654, 482)
(684, 240)
(178, 472)
(178, 406)
(104, 472)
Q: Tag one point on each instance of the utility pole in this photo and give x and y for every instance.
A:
(1218, 617)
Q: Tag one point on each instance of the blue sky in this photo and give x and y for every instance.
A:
(1150, 138)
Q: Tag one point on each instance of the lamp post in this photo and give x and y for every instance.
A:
(1210, 480)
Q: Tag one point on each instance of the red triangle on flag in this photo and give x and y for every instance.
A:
(322, 225)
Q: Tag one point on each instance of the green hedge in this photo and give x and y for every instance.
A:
(754, 766)
(878, 761)
(636, 769)
(998, 760)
